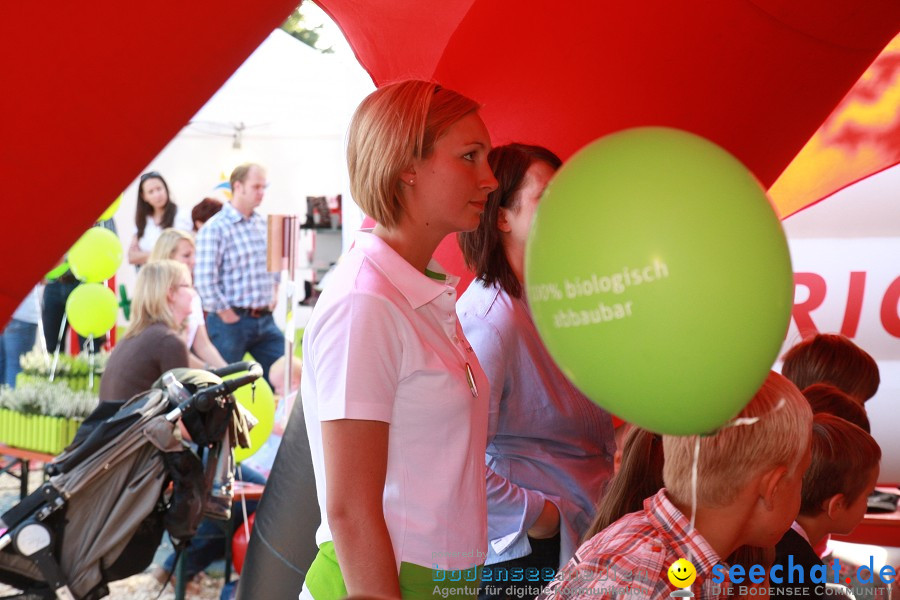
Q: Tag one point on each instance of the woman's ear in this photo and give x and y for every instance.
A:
(503, 220)
(408, 175)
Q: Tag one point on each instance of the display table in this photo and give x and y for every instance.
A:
(21, 458)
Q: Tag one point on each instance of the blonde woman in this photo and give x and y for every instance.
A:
(153, 343)
(394, 398)
(178, 245)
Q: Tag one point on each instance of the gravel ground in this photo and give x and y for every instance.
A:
(138, 587)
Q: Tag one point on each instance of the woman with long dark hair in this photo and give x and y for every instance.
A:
(550, 448)
(155, 212)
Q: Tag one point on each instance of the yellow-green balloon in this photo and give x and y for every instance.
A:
(261, 405)
(92, 309)
(660, 279)
(96, 255)
(56, 271)
(111, 210)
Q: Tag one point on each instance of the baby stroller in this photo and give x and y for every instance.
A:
(125, 479)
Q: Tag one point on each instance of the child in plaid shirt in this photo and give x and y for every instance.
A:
(748, 493)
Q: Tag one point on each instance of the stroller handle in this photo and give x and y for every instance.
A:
(237, 367)
(204, 399)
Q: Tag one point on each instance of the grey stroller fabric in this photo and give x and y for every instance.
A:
(110, 494)
(108, 501)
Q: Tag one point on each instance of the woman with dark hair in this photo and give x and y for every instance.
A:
(155, 212)
(550, 449)
(203, 211)
(639, 477)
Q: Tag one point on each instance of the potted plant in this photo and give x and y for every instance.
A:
(74, 371)
(42, 416)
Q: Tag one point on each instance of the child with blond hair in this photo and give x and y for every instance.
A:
(748, 493)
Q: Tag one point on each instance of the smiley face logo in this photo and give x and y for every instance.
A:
(682, 573)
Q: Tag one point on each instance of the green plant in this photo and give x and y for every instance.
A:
(71, 370)
(38, 363)
(49, 399)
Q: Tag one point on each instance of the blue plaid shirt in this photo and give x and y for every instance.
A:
(231, 262)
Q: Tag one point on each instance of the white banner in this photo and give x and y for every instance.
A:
(852, 286)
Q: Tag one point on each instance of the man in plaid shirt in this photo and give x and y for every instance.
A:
(748, 493)
(237, 291)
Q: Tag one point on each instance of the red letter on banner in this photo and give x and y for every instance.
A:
(854, 303)
(816, 286)
(889, 316)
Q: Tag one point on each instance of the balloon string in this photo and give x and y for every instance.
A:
(62, 331)
(244, 506)
(747, 420)
(89, 345)
(695, 469)
(695, 466)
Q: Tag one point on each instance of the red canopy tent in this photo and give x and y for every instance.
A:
(756, 77)
(93, 95)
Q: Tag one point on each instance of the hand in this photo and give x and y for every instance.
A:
(228, 316)
(547, 524)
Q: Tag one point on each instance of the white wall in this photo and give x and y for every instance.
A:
(294, 104)
(857, 230)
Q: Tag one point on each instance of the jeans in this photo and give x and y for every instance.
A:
(258, 336)
(17, 339)
(54, 308)
(208, 544)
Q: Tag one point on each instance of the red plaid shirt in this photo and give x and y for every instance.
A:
(630, 559)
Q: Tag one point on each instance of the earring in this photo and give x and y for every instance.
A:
(411, 181)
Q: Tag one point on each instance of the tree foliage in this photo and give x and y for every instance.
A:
(296, 26)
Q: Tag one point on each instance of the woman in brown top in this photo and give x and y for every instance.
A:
(153, 344)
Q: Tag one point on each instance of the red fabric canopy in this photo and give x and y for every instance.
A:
(92, 93)
(757, 77)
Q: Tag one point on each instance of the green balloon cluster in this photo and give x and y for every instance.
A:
(96, 255)
(92, 309)
(659, 278)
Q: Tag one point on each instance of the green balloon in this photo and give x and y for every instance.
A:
(261, 404)
(55, 272)
(96, 256)
(92, 309)
(111, 209)
(660, 279)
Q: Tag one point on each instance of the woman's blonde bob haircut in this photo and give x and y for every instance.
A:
(167, 244)
(151, 295)
(730, 458)
(395, 125)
